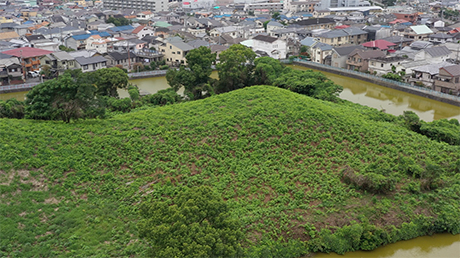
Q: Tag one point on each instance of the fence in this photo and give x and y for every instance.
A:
(376, 79)
(147, 74)
(17, 87)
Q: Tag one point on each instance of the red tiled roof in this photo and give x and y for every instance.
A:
(380, 44)
(136, 30)
(342, 26)
(26, 52)
(399, 21)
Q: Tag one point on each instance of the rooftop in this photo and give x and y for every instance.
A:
(26, 52)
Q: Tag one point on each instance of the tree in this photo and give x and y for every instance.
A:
(109, 80)
(118, 21)
(266, 70)
(195, 78)
(46, 71)
(310, 83)
(196, 224)
(66, 49)
(276, 16)
(62, 98)
(265, 25)
(304, 50)
(392, 76)
(235, 68)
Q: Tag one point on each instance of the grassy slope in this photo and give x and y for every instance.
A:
(276, 156)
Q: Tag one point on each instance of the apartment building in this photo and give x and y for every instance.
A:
(144, 5)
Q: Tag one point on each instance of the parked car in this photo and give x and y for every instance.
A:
(33, 74)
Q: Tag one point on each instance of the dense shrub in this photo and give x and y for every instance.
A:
(11, 108)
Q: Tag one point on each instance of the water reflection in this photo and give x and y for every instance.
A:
(393, 101)
(436, 246)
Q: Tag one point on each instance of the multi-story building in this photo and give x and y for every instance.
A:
(448, 80)
(144, 5)
(29, 57)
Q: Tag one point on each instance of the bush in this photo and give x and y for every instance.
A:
(163, 97)
(122, 105)
(11, 108)
(442, 130)
(164, 67)
(371, 182)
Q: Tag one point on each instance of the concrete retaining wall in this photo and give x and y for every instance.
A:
(376, 80)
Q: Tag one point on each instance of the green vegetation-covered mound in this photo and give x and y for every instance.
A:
(300, 174)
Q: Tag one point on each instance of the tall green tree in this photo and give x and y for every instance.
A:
(196, 224)
(195, 78)
(118, 21)
(235, 68)
(60, 99)
(266, 70)
(276, 16)
(108, 81)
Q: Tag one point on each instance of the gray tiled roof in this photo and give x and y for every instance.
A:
(437, 51)
(431, 68)
(344, 51)
(454, 70)
(90, 60)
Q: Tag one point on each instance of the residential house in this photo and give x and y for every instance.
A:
(317, 23)
(380, 44)
(145, 15)
(46, 44)
(143, 31)
(273, 47)
(134, 45)
(161, 32)
(377, 32)
(91, 64)
(441, 38)
(174, 52)
(79, 41)
(320, 51)
(418, 32)
(125, 59)
(400, 41)
(427, 74)
(29, 57)
(340, 55)
(351, 35)
(58, 62)
(448, 80)
(232, 31)
(95, 42)
(383, 65)
(9, 35)
(10, 70)
(359, 59)
(434, 54)
(273, 25)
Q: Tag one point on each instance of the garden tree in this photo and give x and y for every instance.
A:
(266, 70)
(153, 65)
(276, 16)
(46, 71)
(195, 78)
(304, 50)
(163, 97)
(309, 83)
(265, 25)
(235, 68)
(392, 76)
(66, 49)
(63, 98)
(118, 21)
(196, 224)
(109, 80)
(412, 121)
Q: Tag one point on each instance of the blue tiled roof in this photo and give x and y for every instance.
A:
(122, 28)
(85, 36)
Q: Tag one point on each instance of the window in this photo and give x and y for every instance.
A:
(173, 53)
(381, 65)
(339, 39)
(170, 47)
(85, 67)
(456, 80)
(178, 52)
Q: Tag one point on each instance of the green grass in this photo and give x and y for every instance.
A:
(277, 158)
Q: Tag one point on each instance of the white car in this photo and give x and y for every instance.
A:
(33, 74)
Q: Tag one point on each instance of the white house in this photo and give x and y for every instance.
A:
(142, 31)
(95, 42)
(273, 47)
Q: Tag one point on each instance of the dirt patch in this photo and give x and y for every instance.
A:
(21, 226)
(52, 200)
(46, 234)
(22, 214)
